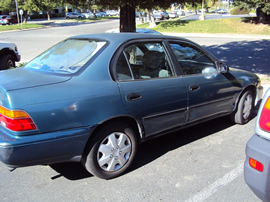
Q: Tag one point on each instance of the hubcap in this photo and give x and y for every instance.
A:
(247, 106)
(114, 151)
(10, 64)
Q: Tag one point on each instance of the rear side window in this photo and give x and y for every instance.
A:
(143, 60)
(67, 57)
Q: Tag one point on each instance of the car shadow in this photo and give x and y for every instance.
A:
(152, 149)
(252, 56)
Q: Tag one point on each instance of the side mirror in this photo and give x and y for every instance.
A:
(223, 67)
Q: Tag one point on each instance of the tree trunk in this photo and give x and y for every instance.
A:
(141, 17)
(48, 14)
(25, 16)
(151, 19)
(127, 17)
(262, 17)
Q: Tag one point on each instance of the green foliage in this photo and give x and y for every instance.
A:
(16, 26)
(253, 4)
(7, 5)
(239, 11)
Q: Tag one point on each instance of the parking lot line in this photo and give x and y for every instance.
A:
(212, 188)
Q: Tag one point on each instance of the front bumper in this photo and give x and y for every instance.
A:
(259, 182)
(48, 148)
(259, 94)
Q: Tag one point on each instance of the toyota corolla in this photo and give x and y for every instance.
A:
(94, 98)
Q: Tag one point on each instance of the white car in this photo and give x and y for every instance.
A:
(8, 55)
(256, 167)
(112, 12)
(173, 15)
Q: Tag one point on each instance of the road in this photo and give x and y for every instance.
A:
(202, 163)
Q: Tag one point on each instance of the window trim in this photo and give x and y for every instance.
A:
(145, 40)
(176, 63)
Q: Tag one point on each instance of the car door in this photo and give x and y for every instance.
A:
(210, 93)
(149, 87)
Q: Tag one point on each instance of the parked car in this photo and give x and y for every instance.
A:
(161, 15)
(94, 98)
(8, 20)
(222, 11)
(256, 167)
(138, 30)
(112, 12)
(181, 13)
(89, 15)
(102, 14)
(173, 15)
(74, 15)
(9, 54)
(219, 11)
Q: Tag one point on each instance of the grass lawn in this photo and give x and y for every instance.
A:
(225, 26)
(18, 27)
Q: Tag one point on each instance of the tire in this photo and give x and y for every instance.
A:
(112, 151)
(244, 108)
(7, 61)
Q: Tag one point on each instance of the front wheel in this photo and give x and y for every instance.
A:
(7, 61)
(244, 108)
(112, 151)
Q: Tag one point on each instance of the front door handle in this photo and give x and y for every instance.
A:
(133, 96)
(194, 87)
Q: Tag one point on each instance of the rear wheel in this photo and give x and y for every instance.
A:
(7, 61)
(112, 151)
(244, 108)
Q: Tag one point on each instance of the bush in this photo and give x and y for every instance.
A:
(239, 11)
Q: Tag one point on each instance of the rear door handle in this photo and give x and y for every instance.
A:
(133, 96)
(193, 87)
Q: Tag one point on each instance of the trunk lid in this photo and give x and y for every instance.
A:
(21, 78)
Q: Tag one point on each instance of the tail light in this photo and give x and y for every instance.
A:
(265, 116)
(16, 120)
(256, 165)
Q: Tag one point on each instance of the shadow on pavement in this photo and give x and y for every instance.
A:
(252, 56)
(152, 149)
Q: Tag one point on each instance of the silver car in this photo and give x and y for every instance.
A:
(9, 54)
(257, 164)
(74, 15)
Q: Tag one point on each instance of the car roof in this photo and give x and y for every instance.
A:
(122, 37)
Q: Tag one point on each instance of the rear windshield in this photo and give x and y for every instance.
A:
(66, 57)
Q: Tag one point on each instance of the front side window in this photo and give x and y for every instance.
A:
(143, 60)
(67, 57)
(192, 60)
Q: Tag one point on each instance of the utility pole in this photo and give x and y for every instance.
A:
(18, 20)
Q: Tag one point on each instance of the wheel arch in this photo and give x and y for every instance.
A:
(7, 51)
(135, 124)
(250, 87)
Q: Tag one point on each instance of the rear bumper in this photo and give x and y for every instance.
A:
(45, 148)
(259, 182)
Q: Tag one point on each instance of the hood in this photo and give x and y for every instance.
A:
(21, 78)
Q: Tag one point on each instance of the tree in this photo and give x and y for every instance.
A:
(128, 7)
(7, 5)
(262, 8)
(44, 5)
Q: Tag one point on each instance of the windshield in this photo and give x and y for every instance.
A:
(67, 57)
